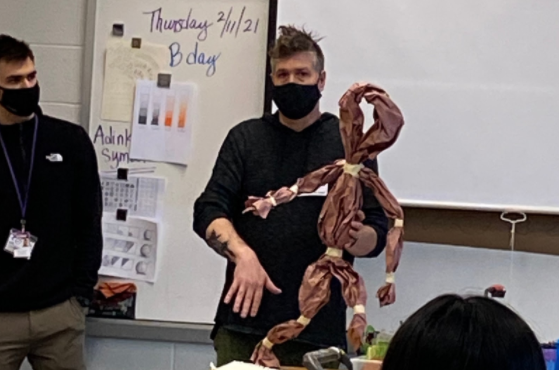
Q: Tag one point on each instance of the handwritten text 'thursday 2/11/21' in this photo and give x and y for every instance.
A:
(232, 22)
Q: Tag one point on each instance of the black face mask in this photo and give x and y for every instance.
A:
(21, 102)
(296, 101)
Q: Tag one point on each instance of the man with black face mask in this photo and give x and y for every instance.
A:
(267, 258)
(50, 223)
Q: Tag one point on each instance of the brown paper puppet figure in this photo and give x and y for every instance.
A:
(345, 198)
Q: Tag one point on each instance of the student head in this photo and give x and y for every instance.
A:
(298, 72)
(455, 333)
(19, 91)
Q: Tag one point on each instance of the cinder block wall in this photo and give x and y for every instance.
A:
(55, 29)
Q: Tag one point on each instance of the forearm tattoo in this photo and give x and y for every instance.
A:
(221, 248)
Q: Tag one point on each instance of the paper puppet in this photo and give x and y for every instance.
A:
(346, 178)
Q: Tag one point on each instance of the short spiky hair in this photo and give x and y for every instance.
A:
(292, 41)
(12, 50)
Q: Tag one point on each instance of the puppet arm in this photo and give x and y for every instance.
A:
(261, 206)
(394, 240)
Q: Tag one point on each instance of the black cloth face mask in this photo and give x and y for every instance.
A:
(296, 101)
(21, 102)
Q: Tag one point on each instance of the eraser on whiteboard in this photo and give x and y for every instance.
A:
(164, 80)
(121, 214)
(122, 174)
(118, 29)
(136, 43)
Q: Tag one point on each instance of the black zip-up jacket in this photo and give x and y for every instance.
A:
(64, 213)
(261, 155)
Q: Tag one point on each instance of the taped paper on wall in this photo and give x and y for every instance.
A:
(130, 248)
(162, 124)
(123, 66)
(140, 196)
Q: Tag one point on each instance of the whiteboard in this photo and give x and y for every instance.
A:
(477, 81)
(189, 275)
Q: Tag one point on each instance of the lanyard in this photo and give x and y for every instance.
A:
(22, 201)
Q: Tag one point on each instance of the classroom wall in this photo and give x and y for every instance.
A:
(55, 30)
(112, 354)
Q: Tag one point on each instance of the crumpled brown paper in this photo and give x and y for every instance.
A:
(112, 288)
(345, 198)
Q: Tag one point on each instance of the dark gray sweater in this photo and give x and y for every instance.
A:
(261, 155)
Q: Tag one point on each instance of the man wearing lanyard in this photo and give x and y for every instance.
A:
(50, 223)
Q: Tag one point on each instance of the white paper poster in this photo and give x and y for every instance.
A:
(140, 196)
(123, 66)
(162, 123)
(130, 248)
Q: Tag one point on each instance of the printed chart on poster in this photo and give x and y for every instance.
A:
(140, 196)
(130, 249)
(163, 117)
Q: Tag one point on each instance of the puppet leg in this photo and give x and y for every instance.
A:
(313, 295)
(355, 296)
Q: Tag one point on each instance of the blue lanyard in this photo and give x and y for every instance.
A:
(22, 201)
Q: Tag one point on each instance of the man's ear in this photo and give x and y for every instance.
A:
(321, 80)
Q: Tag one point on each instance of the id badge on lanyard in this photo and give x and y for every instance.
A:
(20, 242)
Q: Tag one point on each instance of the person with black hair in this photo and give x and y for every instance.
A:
(456, 333)
(50, 222)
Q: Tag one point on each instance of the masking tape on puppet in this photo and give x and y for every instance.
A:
(334, 252)
(303, 320)
(398, 222)
(352, 169)
(266, 343)
(294, 189)
(358, 308)
(390, 278)
(273, 200)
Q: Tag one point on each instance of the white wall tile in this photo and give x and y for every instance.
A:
(59, 22)
(68, 112)
(111, 354)
(59, 73)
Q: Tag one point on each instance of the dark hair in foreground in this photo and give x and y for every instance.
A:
(456, 333)
(12, 50)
